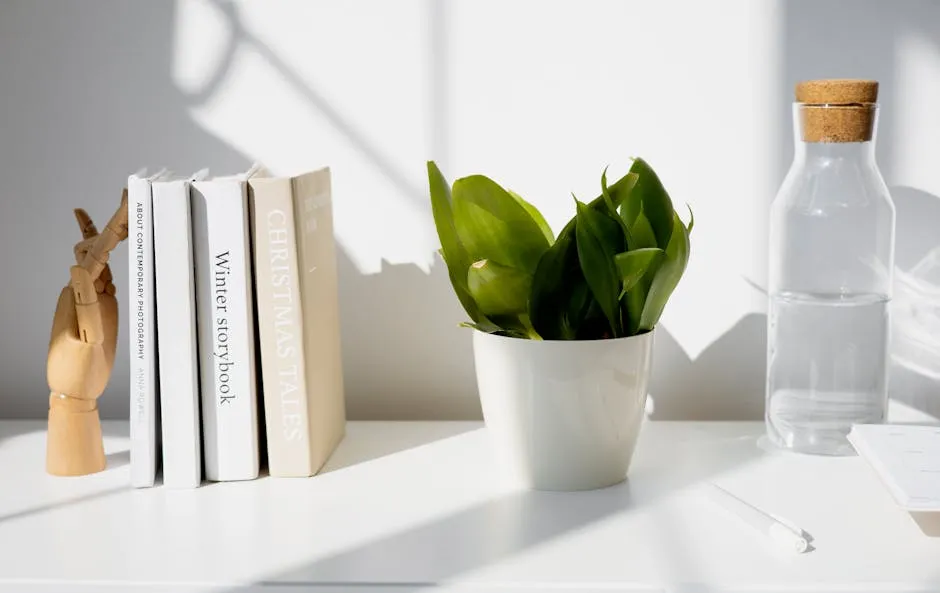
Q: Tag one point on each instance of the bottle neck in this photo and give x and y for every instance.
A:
(821, 153)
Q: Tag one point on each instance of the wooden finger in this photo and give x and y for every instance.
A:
(103, 280)
(96, 258)
(85, 223)
(105, 275)
(82, 248)
(87, 308)
(118, 222)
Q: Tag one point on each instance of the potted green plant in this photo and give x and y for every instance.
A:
(563, 325)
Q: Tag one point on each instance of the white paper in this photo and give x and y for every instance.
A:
(906, 458)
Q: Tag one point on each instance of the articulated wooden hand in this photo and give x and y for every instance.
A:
(81, 350)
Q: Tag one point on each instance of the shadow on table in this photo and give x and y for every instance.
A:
(516, 521)
(58, 505)
(118, 459)
(117, 430)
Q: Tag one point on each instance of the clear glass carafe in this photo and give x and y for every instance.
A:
(830, 276)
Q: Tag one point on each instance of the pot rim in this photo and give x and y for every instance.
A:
(566, 343)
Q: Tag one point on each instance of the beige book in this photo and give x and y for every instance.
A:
(298, 321)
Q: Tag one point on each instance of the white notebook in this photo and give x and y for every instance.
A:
(906, 458)
(176, 327)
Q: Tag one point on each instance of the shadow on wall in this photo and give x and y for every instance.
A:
(915, 372)
(88, 100)
(725, 382)
(402, 343)
(400, 337)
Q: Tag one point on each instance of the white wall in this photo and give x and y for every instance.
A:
(538, 95)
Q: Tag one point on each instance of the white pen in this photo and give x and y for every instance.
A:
(778, 531)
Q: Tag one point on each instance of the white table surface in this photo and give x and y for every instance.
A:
(422, 506)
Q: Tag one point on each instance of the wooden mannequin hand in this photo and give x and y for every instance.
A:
(83, 341)
(81, 353)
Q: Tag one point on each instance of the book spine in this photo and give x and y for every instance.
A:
(143, 354)
(176, 325)
(225, 310)
(313, 218)
(280, 328)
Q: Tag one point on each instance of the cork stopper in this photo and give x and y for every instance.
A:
(837, 110)
(837, 92)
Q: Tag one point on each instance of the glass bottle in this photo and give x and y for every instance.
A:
(830, 274)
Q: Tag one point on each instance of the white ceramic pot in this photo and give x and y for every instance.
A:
(563, 415)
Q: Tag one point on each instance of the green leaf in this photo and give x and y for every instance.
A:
(619, 191)
(513, 333)
(691, 219)
(599, 239)
(561, 299)
(667, 276)
(578, 306)
(490, 328)
(536, 216)
(650, 197)
(605, 192)
(642, 232)
(612, 210)
(452, 249)
(492, 225)
(643, 238)
(594, 325)
(486, 327)
(560, 296)
(517, 326)
(553, 283)
(497, 289)
(648, 194)
(632, 265)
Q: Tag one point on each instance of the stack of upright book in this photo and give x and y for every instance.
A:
(234, 312)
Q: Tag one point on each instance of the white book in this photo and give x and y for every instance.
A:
(176, 328)
(225, 313)
(144, 411)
